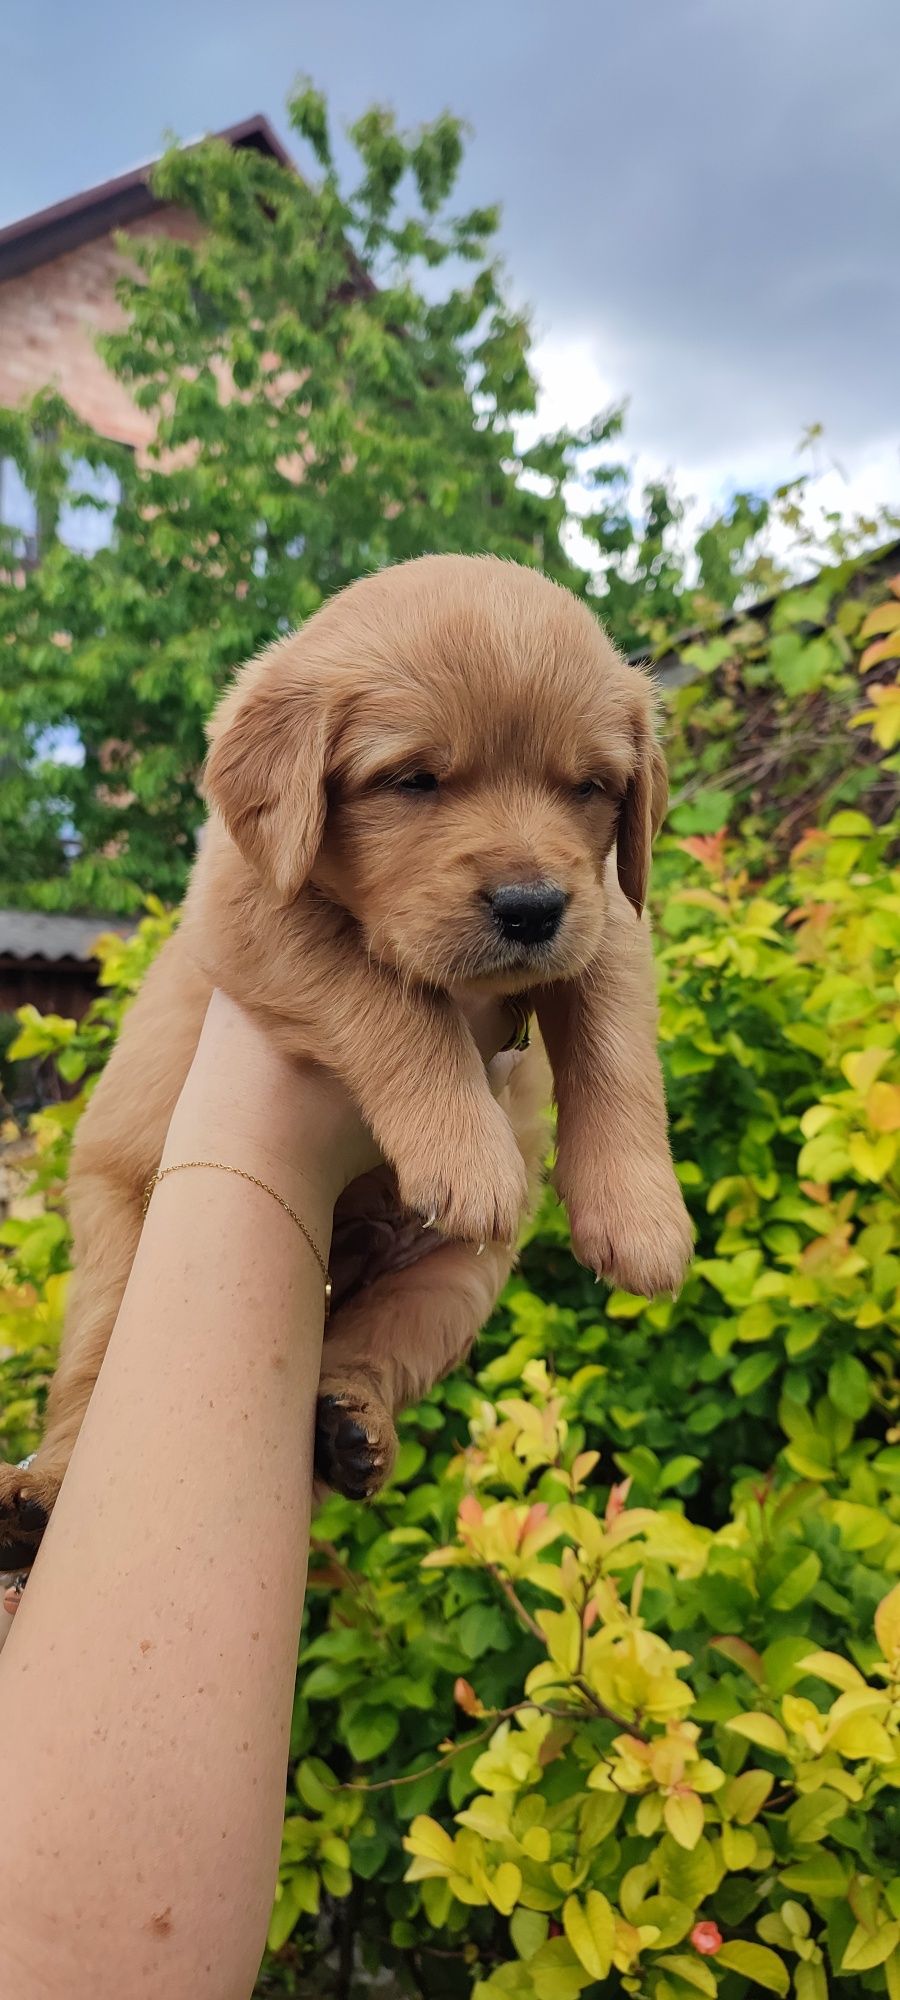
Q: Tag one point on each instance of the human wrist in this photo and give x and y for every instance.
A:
(247, 1104)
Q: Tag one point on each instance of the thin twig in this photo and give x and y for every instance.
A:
(496, 1716)
(360, 1585)
(533, 1627)
(516, 1604)
(601, 1711)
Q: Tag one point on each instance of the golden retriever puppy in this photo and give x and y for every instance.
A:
(448, 780)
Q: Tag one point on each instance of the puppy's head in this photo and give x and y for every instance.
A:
(450, 750)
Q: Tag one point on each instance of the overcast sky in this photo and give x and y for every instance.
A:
(701, 197)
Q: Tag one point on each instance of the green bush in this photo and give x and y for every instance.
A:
(602, 1695)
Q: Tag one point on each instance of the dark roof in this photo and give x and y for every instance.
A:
(35, 239)
(851, 579)
(50, 934)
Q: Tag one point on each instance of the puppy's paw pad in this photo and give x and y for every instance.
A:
(355, 1443)
(25, 1504)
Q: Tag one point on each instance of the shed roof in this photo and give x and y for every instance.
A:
(851, 579)
(54, 934)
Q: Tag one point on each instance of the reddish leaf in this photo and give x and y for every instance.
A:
(741, 1655)
(465, 1698)
(883, 649)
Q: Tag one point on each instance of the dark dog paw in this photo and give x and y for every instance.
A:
(24, 1512)
(355, 1439)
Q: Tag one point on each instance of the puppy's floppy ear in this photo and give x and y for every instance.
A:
(265, 772)
(641, 815)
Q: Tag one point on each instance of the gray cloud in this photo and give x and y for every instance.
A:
(707, 191)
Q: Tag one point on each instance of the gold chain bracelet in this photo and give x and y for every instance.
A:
(219, 1166)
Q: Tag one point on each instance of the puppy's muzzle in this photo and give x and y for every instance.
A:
(528, 913)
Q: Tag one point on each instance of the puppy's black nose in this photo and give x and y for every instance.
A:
(528, 912)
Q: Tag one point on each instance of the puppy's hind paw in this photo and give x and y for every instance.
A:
(26, 1501)
(356, 1442)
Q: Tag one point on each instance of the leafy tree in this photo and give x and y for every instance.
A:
(333, 378)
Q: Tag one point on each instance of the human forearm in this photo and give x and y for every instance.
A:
(146, 1687)
(145, 1693)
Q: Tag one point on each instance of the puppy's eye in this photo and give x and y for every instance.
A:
(414, 781)
(589, 788)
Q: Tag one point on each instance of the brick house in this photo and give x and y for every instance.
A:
(58, 273)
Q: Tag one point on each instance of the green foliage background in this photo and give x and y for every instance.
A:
(602, 1696)
(757, 1419)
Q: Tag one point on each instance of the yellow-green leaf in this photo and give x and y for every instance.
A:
(746, 1795)
(887, 1623)
(504, 1887)
(670, 1919)
(683, 1814)
(555, 1971)
(811, 1981)
(862, 1736)
(883, 718)
(870, 1948)
(818, 1116)
(859, 1701)
(861, 1066)
(528, 1931)
(755, 1962)
(831, 1667)
(648, 1818)
(761, 1729)
(298, 1896)
(428, 1842)
(811, 1814)
(872, 1158)
(690, 1878)
(820, 1876)
(634, 1889)
(691, 1970)
(798, 1582)
(562, 1631)
(738, 1846)
(591, 1930)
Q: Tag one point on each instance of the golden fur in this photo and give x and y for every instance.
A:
(350, 912)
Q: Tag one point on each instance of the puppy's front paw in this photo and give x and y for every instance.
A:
(26, 1501)
(356, 1442)
(633, 1229)
(470, 1181)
